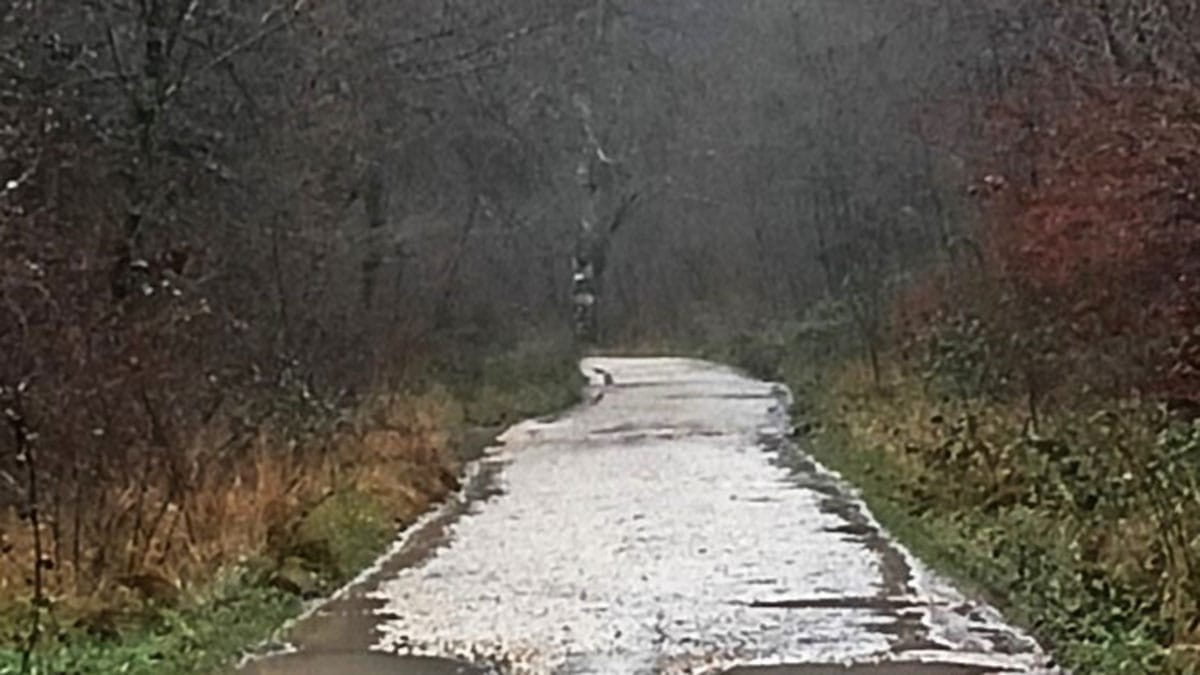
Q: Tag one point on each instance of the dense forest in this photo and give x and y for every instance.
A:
(252, 253)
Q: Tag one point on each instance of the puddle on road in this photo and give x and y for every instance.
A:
(870, 603)
(357, 663)
(874, 669)
(337, 638)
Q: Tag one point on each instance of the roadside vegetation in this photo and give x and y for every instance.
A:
(270, 271)
(1083, 530)
(1028, 411)
(234, 558)
(1021, 400)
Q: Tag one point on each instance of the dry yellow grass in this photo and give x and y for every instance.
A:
(167, 532)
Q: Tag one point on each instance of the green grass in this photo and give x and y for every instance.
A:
(198, 639)
(354, 529)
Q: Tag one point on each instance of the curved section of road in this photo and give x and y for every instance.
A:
(665, 526)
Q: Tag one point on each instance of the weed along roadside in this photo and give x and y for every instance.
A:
(289, 527)
(1080, 529)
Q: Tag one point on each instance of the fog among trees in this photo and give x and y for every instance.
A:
(222, 217)
(427, 170)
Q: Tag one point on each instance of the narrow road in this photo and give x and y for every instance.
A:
(667, 525)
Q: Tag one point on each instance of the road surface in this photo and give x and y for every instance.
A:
(666, 525)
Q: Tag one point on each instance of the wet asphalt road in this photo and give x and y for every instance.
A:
(667, 525)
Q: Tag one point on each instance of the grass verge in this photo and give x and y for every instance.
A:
(400, 455)
(201, 637)
(961, 546)
(1082, 531)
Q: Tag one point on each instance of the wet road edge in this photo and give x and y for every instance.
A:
(336, 636)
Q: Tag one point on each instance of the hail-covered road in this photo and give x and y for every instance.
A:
(667, 525)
